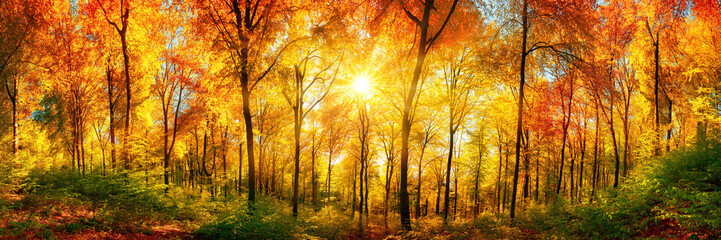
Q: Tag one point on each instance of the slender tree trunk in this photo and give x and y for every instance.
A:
(613, 136)
(128, 92)
(455, 198)
(366, 186)
(566, 123)
(656, 79)
(418, 192)
(573, 161)
(505, 184)
(330, 168)
(476, 190)
(500, 166)
(594, 176)
(580, 164)
(314, 176)
(526, 163)
(111, 116)
(14, 102)
(448, 169)
(353, 204)
(519, 124)
(240, 166)
(389, 176)
(668, 133)
(296, 169)
(438, 196)
(537, 180)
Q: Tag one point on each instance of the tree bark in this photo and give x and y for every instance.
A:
(296, 169)
(448, 169)
(420, 171)
(244, 26)
(423, 47)
(519, 124)
(657, 149)
(111, 116)
(594, 176)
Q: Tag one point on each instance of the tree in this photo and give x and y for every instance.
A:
(426, 40)
(19, 20)
(457, 83)
(426, 138)
(337, 134)
(388, 135)
(120, 24)
(571, 21)
(175, 77)
(315, 80)
(244, 32)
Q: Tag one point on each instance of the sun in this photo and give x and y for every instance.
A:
(362, 84)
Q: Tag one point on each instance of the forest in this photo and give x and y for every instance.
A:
(360, 119)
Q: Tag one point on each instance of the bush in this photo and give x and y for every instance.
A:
(688, 182)
(111, 202)
(114, 191)
(678, 193)
(328, 223)
(267, 220)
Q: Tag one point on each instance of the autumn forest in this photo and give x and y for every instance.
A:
(360, 119)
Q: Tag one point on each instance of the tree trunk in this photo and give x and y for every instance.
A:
(296, 169)
(668, 133)
(353, 206)
(14, 102)
(476, 191)
(111, 116)
(128, 92)
(526, 163)
(573, 161)
(328, 178)
(500, 166)
(656, 79)
(566, 123)
(438, 197)
(519, 124)
(613, 136)
(240, 166)
(580, 164)
(406, 120)
(244, 28)
(313, 175)
(418, 193)
(595, 154)
(537, 180)
(448, 170)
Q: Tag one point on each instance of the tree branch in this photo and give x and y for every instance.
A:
(445, 22)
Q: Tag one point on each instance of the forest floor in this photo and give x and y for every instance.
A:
(674, 197)
(22, 217)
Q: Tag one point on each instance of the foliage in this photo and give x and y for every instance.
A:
(675, 194)
(114, 198)
(328, 223)
(267, 219)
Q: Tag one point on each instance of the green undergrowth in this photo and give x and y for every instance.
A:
(114, 194)
(267, 219)
(677, 196)
(68, 202)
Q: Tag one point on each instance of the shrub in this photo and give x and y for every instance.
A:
(267, 220)
(122, 195)
(328, 223)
